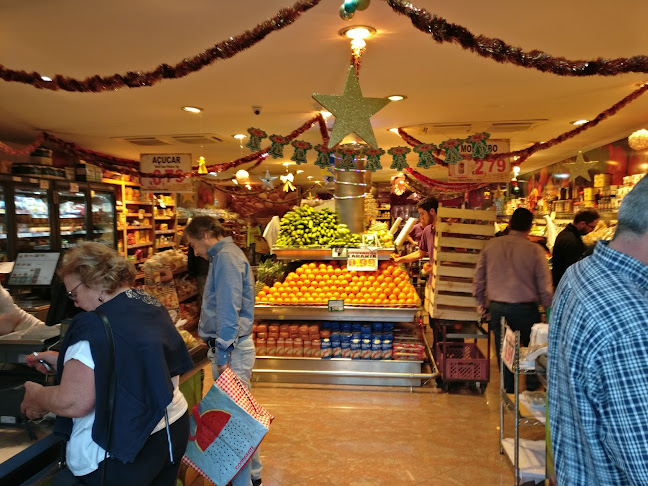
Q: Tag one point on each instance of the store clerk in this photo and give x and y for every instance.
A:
(12, 317)
(427, 210)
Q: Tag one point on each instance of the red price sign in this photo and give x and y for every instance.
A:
(362, 260)
(508, 348)
(168, 172)
(482, 170)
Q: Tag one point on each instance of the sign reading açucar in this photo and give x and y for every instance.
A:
(468, 170)
(175, 165)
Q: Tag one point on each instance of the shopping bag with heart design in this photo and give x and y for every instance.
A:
(226, 428)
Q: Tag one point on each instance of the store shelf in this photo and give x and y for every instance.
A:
(32, 235)
(136, 215)
(163, 205)
(321, 253)
(141, 245)
(341, 371)
(164, 218)
(166, 245)
(140, 203)
(165, 232)
(139, 227)
(119, 183)
(69, 233)
(72, 216)
(321, 313)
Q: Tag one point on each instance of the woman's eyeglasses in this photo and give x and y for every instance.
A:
(72, 294)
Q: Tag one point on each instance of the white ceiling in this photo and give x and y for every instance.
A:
(443, 83)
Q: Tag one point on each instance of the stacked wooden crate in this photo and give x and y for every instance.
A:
(460, 236)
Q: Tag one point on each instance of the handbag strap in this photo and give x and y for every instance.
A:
(112, 386)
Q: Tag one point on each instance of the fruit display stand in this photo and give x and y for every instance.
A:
(369, 356)
(460, 236)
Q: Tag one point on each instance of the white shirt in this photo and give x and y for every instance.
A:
(83, 454)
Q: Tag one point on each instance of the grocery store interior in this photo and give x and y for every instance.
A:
(313, 143)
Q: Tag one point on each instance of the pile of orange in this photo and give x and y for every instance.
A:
(317, 283)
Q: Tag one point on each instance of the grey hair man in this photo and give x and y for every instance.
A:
(598, 357)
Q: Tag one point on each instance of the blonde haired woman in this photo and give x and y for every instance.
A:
(148, 423)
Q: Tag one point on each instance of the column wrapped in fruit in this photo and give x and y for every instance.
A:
(306, 227)
(317, 283)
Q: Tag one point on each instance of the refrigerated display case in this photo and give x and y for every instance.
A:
(72, 218)
(3, 227)
(103, 217)
(33, 222)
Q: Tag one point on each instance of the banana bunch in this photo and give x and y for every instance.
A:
(306, 228)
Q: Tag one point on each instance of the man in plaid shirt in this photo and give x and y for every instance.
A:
(598, 358)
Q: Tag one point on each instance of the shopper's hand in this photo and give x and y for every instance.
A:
(427, 267)
(29, 405)
(222, 368)
(50, 357)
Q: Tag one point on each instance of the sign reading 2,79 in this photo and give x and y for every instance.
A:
(486, 170)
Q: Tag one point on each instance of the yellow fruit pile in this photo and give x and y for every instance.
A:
(314, 283)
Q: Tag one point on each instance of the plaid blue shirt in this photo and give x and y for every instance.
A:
(598, 371)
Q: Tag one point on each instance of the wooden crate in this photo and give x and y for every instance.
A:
(460, 236)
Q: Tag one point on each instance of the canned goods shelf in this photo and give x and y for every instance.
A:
(317, 313)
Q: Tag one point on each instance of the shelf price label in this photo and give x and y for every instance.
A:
(339, 252)
(336, 305)
(362, 260)
(170, 168)
(508, 348)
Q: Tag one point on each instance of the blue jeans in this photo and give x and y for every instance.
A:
(241, 363)
(519, 317)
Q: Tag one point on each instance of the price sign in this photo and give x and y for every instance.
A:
(496, 170)
(339, 252)
(508, 348)
(336, 305)
(362, 260)
(74, 187)
(170, 168)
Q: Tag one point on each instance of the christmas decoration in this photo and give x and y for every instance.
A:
(140, 78)
(278, 142)
(350, 6)
(638, 140)
(287, 181)
(352, 111)
(426, 156)
(479, 147)
(452, 154)
(323, 156)
(256, 135)
(362, 4)
(450, 187)
(202, 165)
(579, 168)
(301, 148)
(373, 158)
(347, 156)
(23, 151)
(399, 155)
(268, 180)
(496, 49)
(344, 15)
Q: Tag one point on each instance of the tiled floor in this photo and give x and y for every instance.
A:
(353, 435)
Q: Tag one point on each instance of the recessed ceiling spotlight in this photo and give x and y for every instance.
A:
(579, 122)
(396, 97)
(192, 109)
(46, 78)
(239, 136)
(325, 114)
(394, 130)
(286, 164)
(309, 177)
(300, 171)
(358, 32)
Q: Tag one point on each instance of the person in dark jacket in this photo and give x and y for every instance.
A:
(569, 246)
(149, 427)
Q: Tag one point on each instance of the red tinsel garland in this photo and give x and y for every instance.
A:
(536, 147)
(23, 151)
(446, 186)
(498, 50)
(138, 79)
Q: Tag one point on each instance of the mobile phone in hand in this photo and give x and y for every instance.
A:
(46, 365)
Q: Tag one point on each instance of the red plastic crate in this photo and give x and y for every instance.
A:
(462, 362)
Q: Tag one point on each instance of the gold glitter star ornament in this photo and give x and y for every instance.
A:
(352, 111)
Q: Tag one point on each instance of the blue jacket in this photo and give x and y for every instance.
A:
(228, 300)
(148, 352)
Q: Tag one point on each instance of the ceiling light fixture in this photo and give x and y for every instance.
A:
(578, 123)
(46, 78)
(396, 97)
(286, 164)
(393, 130)
(192, 109)
(239, 136)
(358, 32)
(325, 114)
(300, 171)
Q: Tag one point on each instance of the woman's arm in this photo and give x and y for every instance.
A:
(74, 397)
